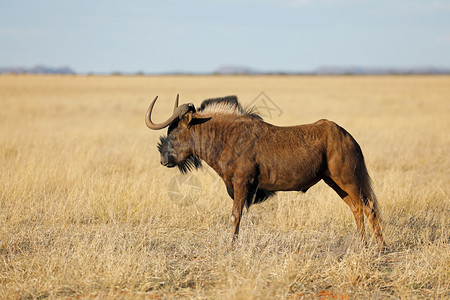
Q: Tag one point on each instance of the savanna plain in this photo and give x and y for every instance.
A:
(87, 211)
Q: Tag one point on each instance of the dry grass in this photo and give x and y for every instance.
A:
(85, 209)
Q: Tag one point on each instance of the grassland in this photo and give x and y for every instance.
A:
(86, 211)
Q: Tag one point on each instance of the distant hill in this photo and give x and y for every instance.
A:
(234, 70)
(336, 70)
(349, 70)
(244, 70)
(39, 69)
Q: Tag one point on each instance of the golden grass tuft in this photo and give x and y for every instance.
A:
(86, 211)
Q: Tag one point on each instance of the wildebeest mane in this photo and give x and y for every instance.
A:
(228, 105)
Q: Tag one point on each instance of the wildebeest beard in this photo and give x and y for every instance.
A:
(188, 164)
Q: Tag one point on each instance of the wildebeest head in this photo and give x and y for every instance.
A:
(176, 147)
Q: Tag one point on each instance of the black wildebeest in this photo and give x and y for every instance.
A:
(255, 159)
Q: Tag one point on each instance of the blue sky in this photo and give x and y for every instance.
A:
(200, 36)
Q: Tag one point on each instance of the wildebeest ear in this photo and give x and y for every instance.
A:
(187, 118)
(196, 121)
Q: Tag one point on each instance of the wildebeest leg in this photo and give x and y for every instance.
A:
(240, 194)
(353, 202)
(243, 189)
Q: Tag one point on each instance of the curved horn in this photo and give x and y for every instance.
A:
(177, 113)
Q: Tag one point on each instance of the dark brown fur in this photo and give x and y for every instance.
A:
(255, 159)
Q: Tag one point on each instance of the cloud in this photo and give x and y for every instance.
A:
(405, 6)
(422, 6)
(296, 3)
(441, 5)
(443, 38)
(299, 3)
